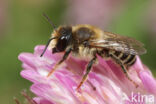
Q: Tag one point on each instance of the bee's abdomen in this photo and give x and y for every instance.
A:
(126, 59)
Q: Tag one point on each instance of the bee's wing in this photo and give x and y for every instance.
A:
(119, 43)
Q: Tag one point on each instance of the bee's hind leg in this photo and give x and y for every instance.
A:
(123, 69)
(63, 59)
(89, 66)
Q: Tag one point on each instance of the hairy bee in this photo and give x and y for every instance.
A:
(87, 41)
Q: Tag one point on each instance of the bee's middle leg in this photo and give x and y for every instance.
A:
(89, 66)
(124, 69)
(62, 60)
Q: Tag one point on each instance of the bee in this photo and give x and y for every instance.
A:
(87, 41)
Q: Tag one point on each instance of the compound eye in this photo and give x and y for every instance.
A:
(64, 37)
(62, 43)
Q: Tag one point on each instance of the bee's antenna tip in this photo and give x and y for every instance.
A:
(49, 20)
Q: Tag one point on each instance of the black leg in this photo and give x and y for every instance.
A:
(65, 56)
(63, 59)
(89, 66)
(123, 68)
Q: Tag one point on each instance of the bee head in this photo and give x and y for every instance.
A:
(65, 34)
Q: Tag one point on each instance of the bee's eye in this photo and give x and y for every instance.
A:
(64, 39)
(62, 44)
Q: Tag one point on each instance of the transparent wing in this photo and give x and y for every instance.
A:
(119, 43)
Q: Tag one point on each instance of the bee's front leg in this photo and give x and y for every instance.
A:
(89, 66)
(63, 59)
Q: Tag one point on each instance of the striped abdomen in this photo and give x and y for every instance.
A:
(126, 59)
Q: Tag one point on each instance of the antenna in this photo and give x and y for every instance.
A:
(53, 26)
(47, 45)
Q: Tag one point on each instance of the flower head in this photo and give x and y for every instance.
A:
(112, 87)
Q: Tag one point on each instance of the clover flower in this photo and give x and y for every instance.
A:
(112, 87)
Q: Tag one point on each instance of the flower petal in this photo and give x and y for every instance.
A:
(40, 100)
(54, 93)
(27, 58)
(106, 76)
(148, 81)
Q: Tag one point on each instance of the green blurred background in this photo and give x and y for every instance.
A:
(22, 27)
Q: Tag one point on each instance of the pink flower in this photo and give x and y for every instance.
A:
(112, 87)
